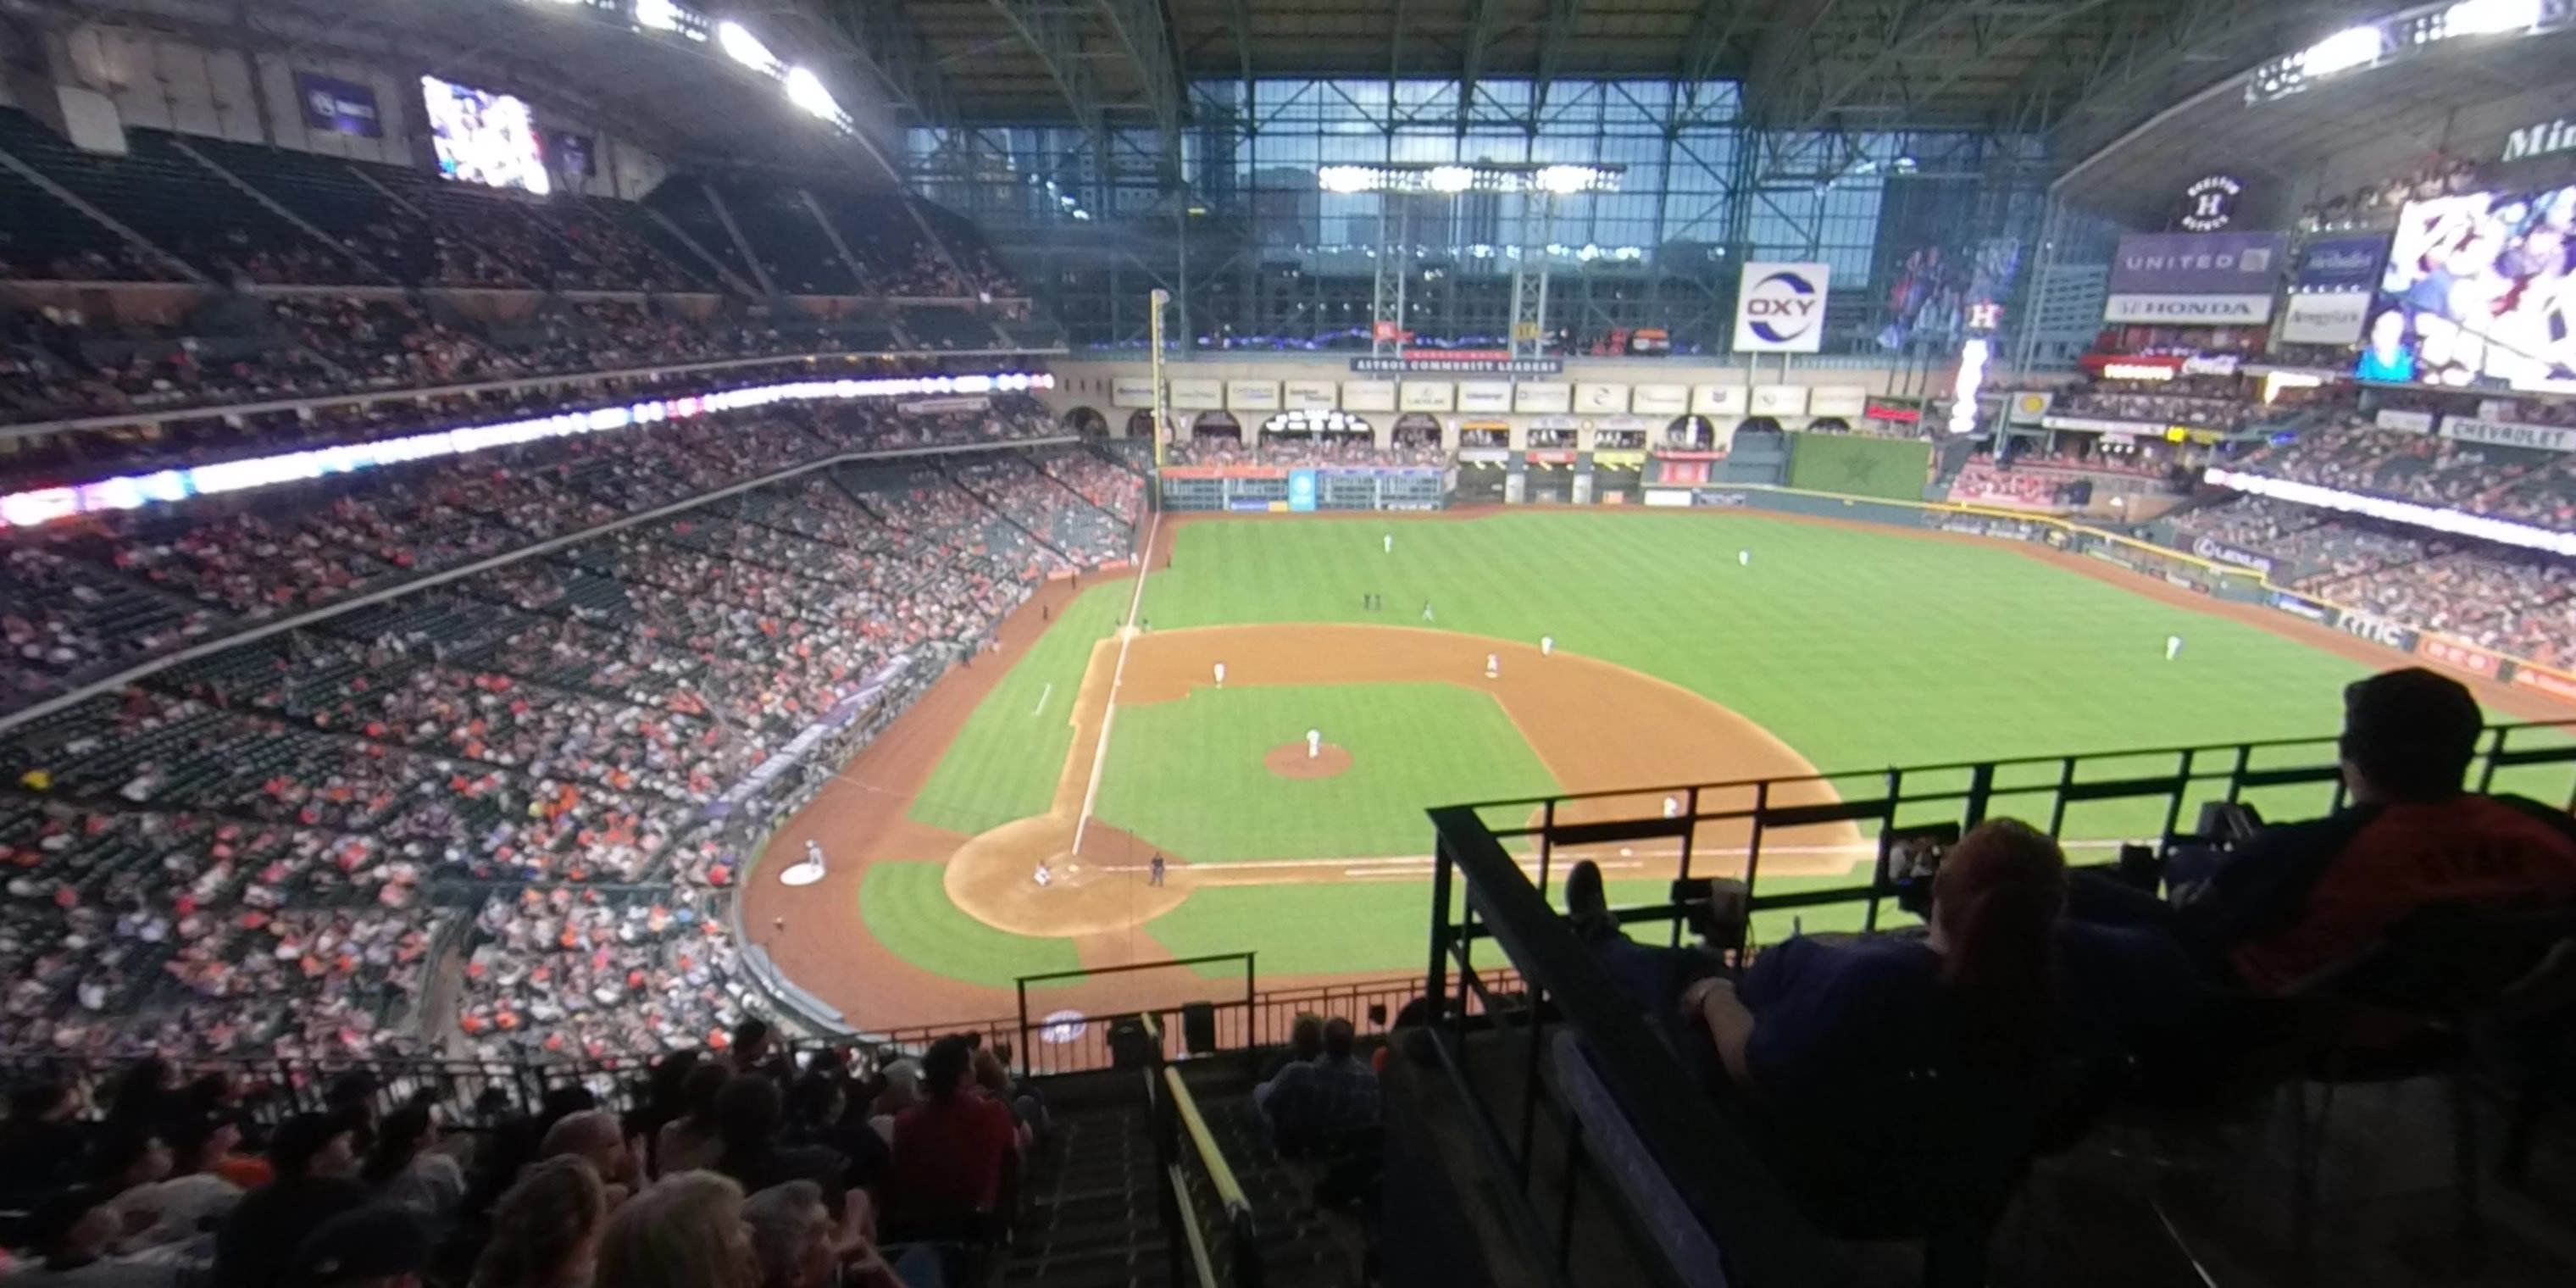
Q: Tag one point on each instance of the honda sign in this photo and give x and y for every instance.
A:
(1780, 308)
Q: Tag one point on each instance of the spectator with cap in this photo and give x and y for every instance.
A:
(545, 1231)
(375, 1246)
(817, 1117)
(958, 1151)
(686, 1232)
(315, 1169)
(73, 1237)
(2300, 899)
(409, 1171)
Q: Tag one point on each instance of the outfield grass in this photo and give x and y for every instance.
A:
(1857, 648)
(908, 910)
(1005, 761)
(1188, 776)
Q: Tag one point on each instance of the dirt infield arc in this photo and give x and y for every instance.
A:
(1596, 727)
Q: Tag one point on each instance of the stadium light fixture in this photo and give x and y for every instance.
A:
(1449, 178)
(2341, 52)
(745, 48)
(1345, 179)
(805, 90)
(2490, 17)
(657, 15)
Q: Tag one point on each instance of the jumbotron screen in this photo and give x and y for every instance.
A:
(485, 138)
(2479, 294)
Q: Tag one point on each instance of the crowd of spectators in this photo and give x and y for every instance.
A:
(2351, 452)
(731, 1163)
(569, 720)
(2375, 205)
(1982, 482)
(1304, 450)
(2203, 402)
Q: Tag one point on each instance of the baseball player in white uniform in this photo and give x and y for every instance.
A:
(1314, 743)
(1493, 666)
(1389, 542)
(1220, 675)
(1744, 558)
(1546, 646)
(2173, 647)
(814, 854)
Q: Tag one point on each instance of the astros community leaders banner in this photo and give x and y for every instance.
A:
(1780, 308)
(2195, 279)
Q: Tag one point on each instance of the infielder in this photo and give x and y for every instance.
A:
(1493, 667)
(1426, 610)
(1314, 744)
(2173, 647)
(1672, 807)
(1220, 675)
(1546, 646)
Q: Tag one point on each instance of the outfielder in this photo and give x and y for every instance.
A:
(1546, 646)
(2173, 647)
(1389, 542)
(1426, 610)
(1743, 558)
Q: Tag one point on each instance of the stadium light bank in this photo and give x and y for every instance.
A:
(2402, 35)
(166, 487)
(801, 86)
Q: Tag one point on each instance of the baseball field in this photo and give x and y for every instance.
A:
(1628, 650)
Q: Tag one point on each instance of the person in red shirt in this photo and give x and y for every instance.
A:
(956, 1153)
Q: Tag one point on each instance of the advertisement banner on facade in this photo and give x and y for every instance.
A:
(1310, 395)
(2190, 310)
(342, 107)
(1475, 362)
(1837, 400)
(1265, 472)
(1428, 395)
(1252, 395)
(2341, 264)
(2452, 653)
(1719, 400)
(2378, 630)
(1369, 395)
(2029, 407)
(1485, 395)
(1659, 400)
(2199, 264)
(1131, 391)
(2410, 422)
(1545, 399)
(1780, 308)
(2546, 682)
(2324, 317)
(2102, 425)
(1198, 395)
(2222, 553)
(1600, 399)
(1779, 400)
(2509, 433)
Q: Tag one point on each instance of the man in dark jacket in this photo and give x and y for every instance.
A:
(2302, 898)
(315, 1168)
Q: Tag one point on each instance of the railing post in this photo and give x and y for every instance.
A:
(1878, 870)
(1435, 983)
(1025, 1054)
(1546, 843)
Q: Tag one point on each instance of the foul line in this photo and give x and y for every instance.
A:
(1042, 700)
(1117, 676)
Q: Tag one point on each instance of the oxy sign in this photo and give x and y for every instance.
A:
(1780, 308)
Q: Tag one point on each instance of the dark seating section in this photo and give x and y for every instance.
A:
(44, 238)
(793, 246)
(335, 196)
(939, 328)
(686, 203)
(178, 204)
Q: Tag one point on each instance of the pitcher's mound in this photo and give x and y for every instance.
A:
(1289, 760)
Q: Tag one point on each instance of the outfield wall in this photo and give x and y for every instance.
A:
(1858, 465)
(2225, 578)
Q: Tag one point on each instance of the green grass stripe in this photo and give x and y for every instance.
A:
(1005, 761)
(1188, 777)
(907, 909)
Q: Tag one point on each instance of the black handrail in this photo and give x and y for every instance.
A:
(1714, 1170)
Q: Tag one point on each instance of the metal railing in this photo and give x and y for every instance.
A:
(1485, 892)
(1204, 1208)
